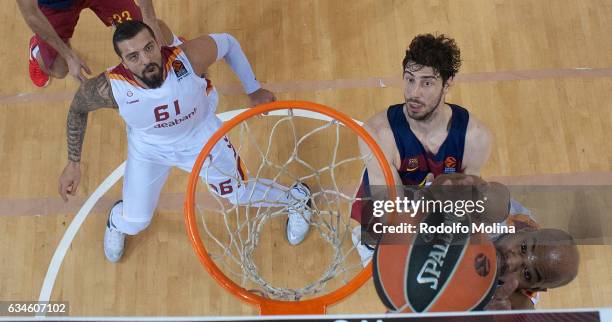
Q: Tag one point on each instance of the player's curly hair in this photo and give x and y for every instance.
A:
(438, 52)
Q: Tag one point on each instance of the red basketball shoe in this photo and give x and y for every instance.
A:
(38, 77)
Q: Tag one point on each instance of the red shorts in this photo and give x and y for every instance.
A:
(64, 21)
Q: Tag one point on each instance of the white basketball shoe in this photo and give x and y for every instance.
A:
(114, 240)
(300, 211)
(365, 251)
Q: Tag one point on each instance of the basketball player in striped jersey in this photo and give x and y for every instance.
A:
(424, 136)
(169, 111)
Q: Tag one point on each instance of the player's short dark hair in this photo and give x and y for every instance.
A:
(438, 52)
(128, 30)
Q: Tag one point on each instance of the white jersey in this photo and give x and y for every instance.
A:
(177, 116)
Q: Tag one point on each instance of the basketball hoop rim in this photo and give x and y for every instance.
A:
(315, 305)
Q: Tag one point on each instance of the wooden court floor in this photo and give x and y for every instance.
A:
(537, 72)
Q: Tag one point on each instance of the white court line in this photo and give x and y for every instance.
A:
(71, 231)
(75, 225)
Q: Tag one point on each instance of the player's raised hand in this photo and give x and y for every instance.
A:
(75, 67)
(69, 180)
(261, 96)
(159, 36)
(501, 298)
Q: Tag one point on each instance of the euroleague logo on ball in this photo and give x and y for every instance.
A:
(482, 265)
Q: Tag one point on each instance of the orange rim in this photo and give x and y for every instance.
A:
(315, 305)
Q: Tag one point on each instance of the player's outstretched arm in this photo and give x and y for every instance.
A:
(205, 50)
(162, 32)
(93, 94)
(378, 128)
(520, 301)
(477, 149)
(501, 297)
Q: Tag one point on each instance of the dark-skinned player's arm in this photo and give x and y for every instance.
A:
(93, 94)
(508, 297)
(502, 295)
(205, 50)
(520, 301)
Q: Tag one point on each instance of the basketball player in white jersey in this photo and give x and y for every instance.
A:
(169, 111)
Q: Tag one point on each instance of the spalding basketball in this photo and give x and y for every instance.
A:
(453, 270)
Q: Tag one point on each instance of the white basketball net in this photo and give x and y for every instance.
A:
(326, 157)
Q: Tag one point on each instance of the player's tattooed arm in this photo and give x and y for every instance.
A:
(93, 94)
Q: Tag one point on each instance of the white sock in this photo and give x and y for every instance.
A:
(116, 211)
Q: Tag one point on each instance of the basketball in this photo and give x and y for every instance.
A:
(449, 271)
